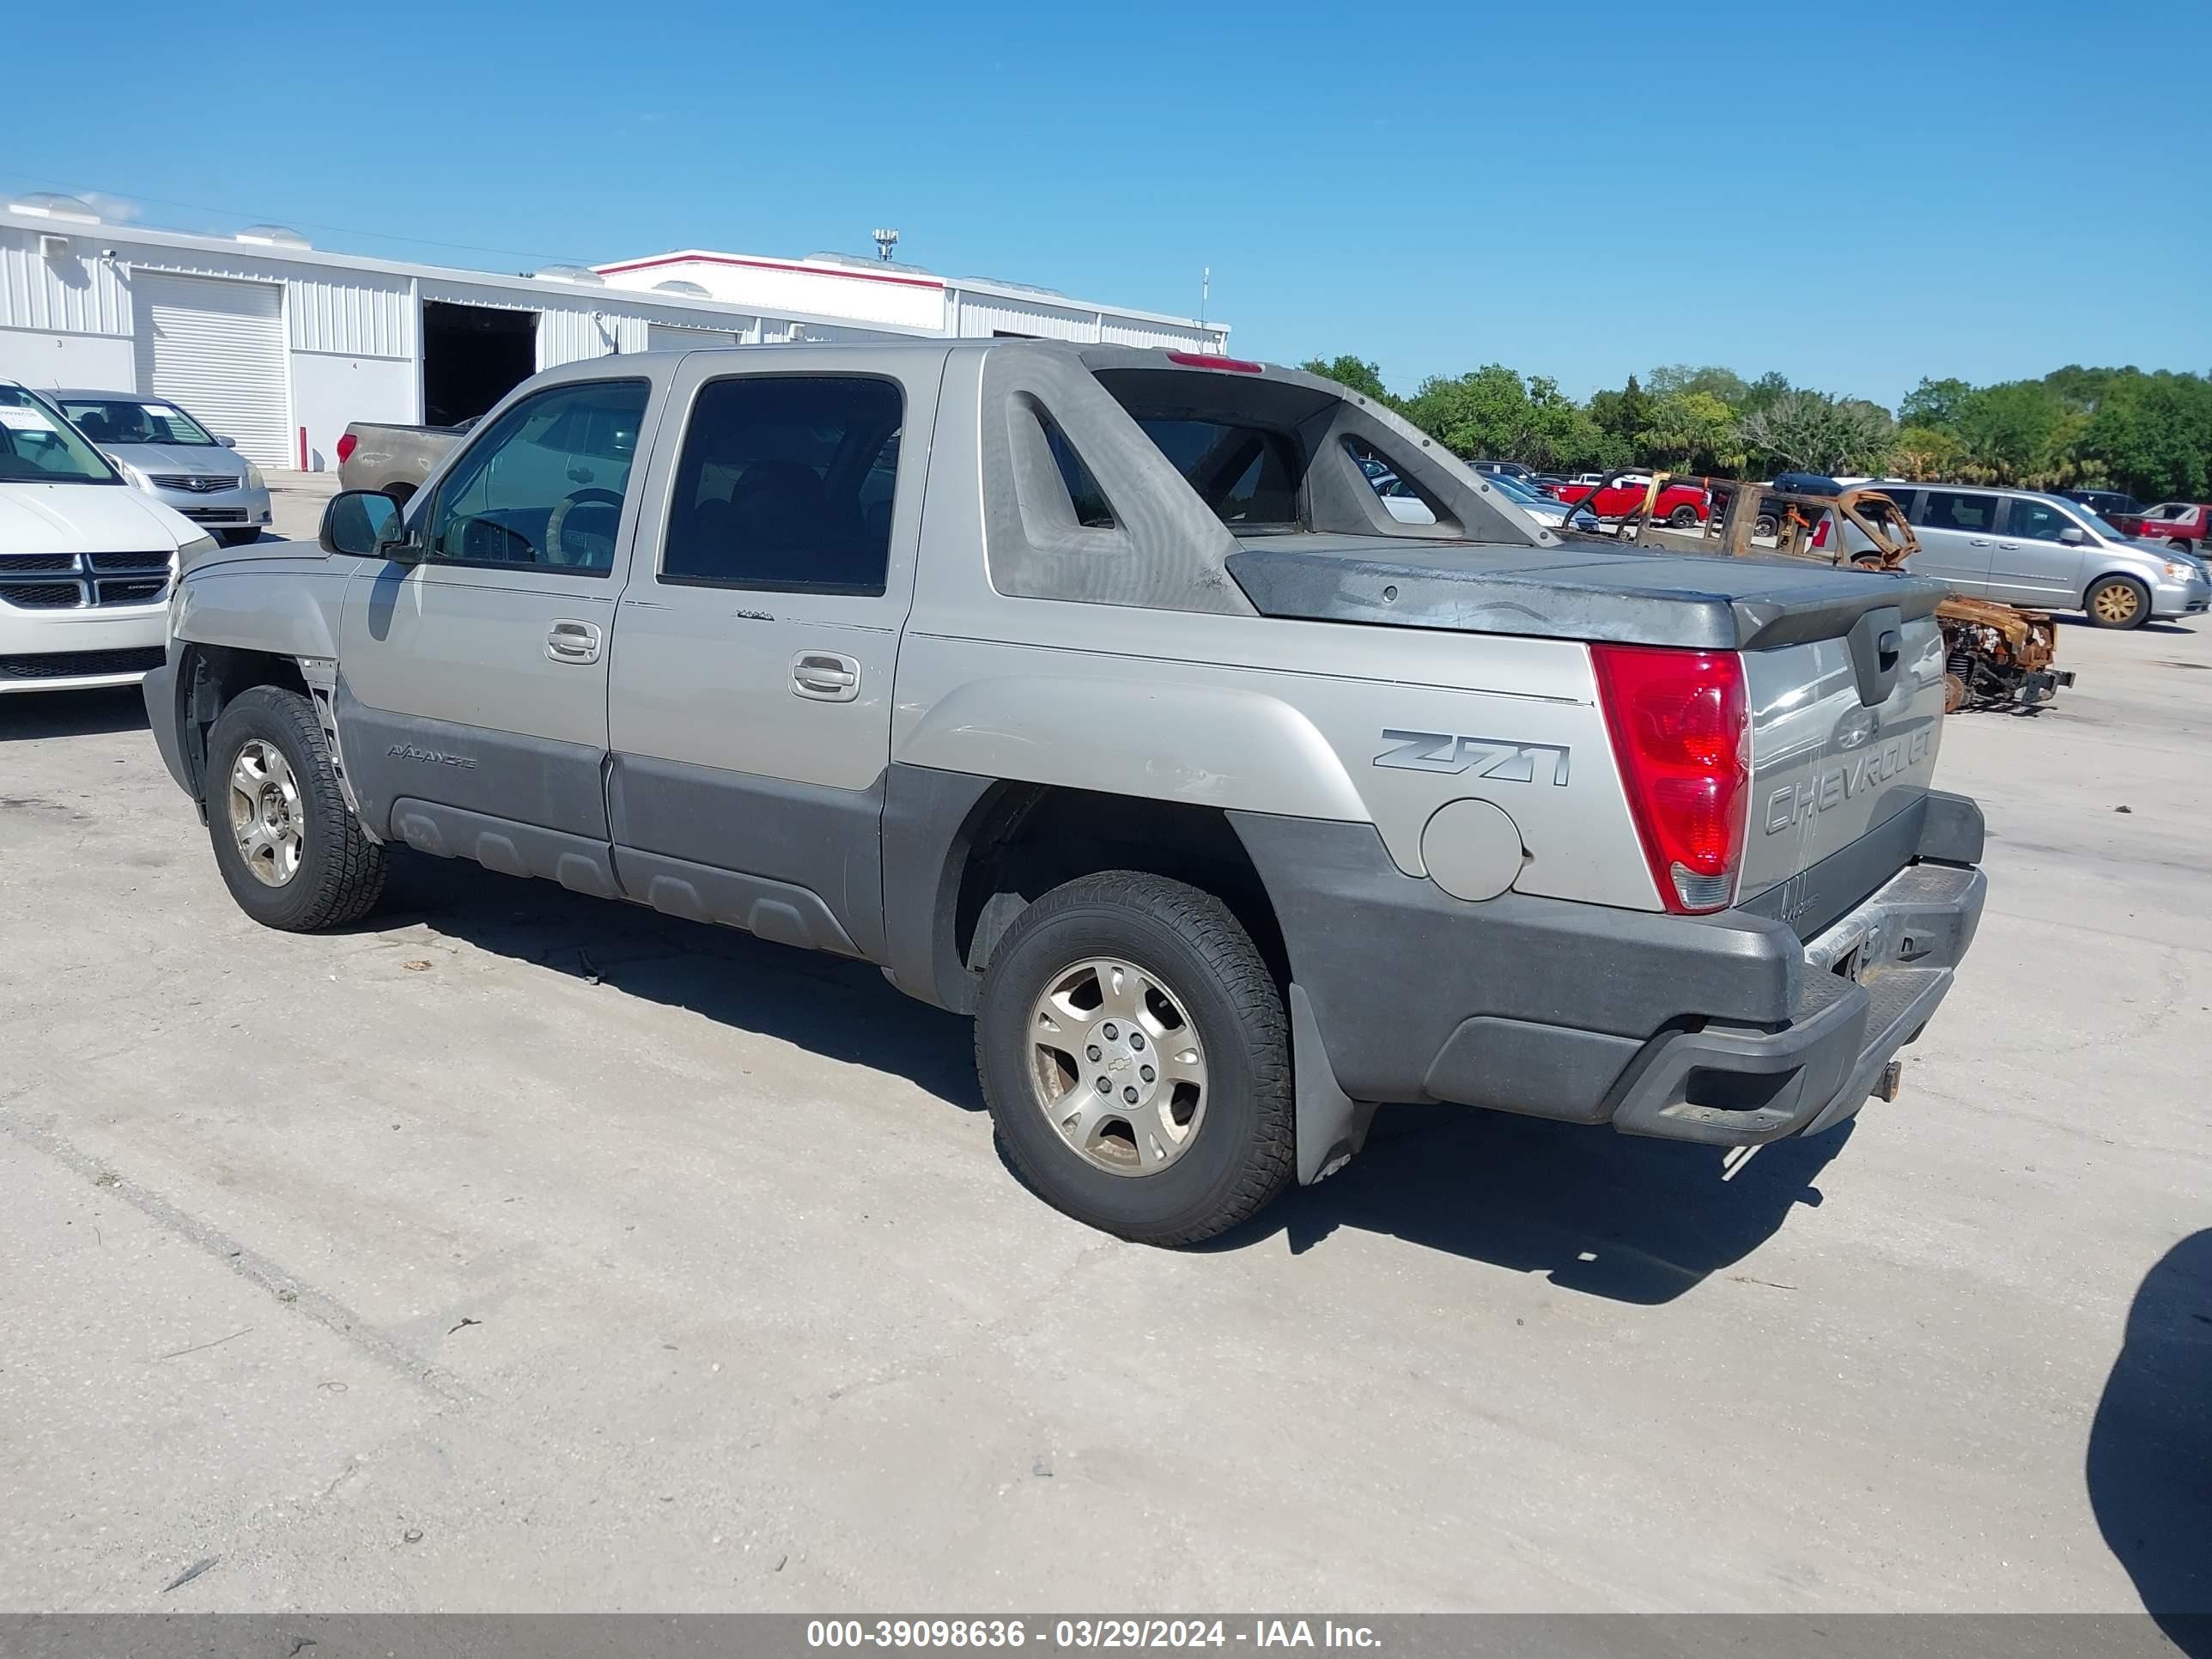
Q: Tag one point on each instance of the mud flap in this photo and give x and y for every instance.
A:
(1331, 1126)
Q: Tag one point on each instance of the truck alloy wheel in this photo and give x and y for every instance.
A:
(1134, 1051)
(1116, 1066)
(289, 849)
(265, 814)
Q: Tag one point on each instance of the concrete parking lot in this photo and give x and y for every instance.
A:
(516, 1251)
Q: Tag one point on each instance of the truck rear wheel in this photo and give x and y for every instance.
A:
(1135, 1055)
(292, 854)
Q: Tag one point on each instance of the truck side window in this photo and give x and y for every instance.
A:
(1092, 510)
(786, 481)
(545, 484)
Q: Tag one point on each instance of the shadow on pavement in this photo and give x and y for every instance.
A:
(27, 714)
(1605, 1214)
(2149, 1466)
(2076, 619)
(827, 1005)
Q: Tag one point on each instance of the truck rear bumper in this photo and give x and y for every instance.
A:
(1872, 983)
(1728, 1030)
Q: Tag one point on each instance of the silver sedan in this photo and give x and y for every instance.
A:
(165, 453)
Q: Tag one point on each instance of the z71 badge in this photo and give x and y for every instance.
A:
(1500, 758)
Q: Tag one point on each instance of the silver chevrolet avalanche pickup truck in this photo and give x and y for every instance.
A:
(1095, 693)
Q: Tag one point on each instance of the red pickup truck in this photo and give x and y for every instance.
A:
(1678, 504)
(2187, 525)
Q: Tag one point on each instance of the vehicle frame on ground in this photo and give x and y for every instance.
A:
(1094, 693)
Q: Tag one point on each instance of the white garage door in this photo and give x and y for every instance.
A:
(218, 349)
(671, 337)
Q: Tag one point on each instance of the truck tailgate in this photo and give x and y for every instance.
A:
(1843, 669)
(1580, 591)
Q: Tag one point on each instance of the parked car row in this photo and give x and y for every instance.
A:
(2020, 547)
(85, 560)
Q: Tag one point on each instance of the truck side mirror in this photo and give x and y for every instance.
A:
(228, 443)
(365, 523)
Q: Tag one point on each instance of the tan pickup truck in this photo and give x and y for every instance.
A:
(394, 458)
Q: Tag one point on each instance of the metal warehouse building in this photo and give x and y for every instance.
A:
(279, 346)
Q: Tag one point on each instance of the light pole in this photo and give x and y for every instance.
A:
(885, 241)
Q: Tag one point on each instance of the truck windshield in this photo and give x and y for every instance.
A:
(38, 446)
(129, 421)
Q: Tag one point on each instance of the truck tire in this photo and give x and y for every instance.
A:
(2118, 602)
(1683, 517)
(1135, 1057)
(292, 854)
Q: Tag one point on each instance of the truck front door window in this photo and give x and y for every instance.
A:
(545, 485)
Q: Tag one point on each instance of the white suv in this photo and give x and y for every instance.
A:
(85, 561)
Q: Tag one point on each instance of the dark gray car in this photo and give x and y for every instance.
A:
(163, 451)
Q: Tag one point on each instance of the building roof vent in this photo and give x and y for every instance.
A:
(569, 274)
(48, 204)
(677, 285)
(273, 236)
(1018, 287)
(868, 262)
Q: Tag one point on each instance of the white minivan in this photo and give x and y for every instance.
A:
(85, 561)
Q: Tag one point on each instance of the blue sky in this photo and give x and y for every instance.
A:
(1393, 182)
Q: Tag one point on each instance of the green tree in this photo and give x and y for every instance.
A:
(1362, 376)
(1671, 379)
(1934, 404)
(1924, 452)
(1494, 414)
(2151, 435)
(1692, 431)
(2014, 434)
(1623, 414)
(1816, 433)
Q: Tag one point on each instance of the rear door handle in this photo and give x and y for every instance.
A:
(572, 641)
(1978, 541)
(825, 676)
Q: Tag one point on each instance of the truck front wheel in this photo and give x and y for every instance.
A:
(1135, 1055)
(292, 854)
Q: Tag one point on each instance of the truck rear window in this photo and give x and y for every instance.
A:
(1248, 475)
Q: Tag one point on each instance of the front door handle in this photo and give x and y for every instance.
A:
(572, 641)
(825, 676)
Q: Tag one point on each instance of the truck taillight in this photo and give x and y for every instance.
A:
(1820, 531)
(346, 442)
(1681, 726)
